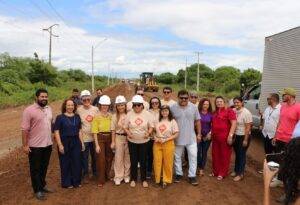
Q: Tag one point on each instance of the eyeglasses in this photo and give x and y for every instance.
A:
(167, 92)
(137, 105)
(183, 98)
(155, 103)
(141, 94)
(86, 100)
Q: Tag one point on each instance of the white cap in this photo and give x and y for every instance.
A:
(137, 99)
(104, 100)
(120, 99)
(85, 93)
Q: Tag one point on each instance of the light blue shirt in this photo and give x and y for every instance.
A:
(185, 118)
(296, 132)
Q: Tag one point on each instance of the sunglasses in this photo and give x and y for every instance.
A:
(137, 105)
(194, 97)
(167, 92)
(183, 98)
(141, 94)
(86, 100)
(156, 103)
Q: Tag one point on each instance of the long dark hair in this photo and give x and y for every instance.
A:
(150, 104)
(165, 107)
(200, 106)
(64, 106)
(290, 169)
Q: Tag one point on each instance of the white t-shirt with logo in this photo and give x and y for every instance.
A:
(87, 116)
(166, 128)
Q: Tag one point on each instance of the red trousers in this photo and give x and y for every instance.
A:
(221, 154)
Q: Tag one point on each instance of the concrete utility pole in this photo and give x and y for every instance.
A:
(198, 70)
(93, 76)
(185, 73)
(108, 76)
(50, 39)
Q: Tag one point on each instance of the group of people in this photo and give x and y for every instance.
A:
(150, 137)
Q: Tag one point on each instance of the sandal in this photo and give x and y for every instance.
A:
(100, 185)
(211, 175)
(220, 178)
(238, 178)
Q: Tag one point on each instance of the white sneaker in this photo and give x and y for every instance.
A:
(127, 180)
(117, 182)
(276, 183)
(132, 184)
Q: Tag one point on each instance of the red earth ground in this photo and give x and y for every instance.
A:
(15, 185)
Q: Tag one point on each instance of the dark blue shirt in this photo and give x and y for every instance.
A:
(68, 126)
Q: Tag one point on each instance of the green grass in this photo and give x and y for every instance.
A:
(26, 94)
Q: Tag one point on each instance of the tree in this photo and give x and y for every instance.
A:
(166, 78)
(249, 78)
(226, 79)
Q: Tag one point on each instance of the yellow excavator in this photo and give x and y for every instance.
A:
(147, 82)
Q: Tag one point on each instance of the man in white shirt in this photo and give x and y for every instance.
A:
(167, 94)
(270, 121)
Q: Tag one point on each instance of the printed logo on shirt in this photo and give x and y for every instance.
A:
(138, 121)
(89, 118)
(162, 128)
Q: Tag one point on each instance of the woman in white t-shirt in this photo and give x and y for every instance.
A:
(242, 138)
(138, 126)
(163, 149)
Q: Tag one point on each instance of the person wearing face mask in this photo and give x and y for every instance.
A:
(87, 113)
(68, 135)
(101, 129)
(37, 141)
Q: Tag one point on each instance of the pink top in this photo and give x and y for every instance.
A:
(37, 122)
(289, 116)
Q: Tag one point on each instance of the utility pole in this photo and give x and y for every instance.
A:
(50, 39)
(93, 75)
(185, 73)
(108, 76)
(198, 70)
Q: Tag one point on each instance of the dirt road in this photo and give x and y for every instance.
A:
(15, 181)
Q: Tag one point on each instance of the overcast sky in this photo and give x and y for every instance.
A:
(154, 35)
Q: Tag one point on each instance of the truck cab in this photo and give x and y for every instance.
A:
(251, 102)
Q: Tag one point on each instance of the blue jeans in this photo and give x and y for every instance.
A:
(89, 150)
(240, 154)
(203, 147)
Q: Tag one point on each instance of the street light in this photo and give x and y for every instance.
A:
(93, 76)
(198, 70)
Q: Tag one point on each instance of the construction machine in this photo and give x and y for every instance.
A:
(147, 82)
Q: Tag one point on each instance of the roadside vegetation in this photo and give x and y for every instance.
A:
(20, 77)
(226, 80)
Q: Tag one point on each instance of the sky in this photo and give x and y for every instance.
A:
(144, 35)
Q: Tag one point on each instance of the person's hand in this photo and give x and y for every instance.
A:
(274, 141)
(261, 127)
(208, 137)
(245, 143)
(199, 137)
(98, 150)
(230, 140)
(268, 174)
(82, 147)
(156, 140)
(61, 149)
(129, 135)
(146, 136)
(26, 149)
(113, 145)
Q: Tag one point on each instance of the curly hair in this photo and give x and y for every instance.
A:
(290, 169)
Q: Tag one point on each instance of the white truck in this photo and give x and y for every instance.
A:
(281, 69)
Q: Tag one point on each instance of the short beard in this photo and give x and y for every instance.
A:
(42, 103)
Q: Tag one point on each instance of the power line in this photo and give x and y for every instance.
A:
(40, 9)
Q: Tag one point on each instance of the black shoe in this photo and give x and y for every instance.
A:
(193, 181)
(177, 178)
(47, 190)
(148, 175)
(40, 196)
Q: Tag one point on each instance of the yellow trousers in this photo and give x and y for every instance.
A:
(163, 157)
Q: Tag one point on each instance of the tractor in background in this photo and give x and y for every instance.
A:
(147, 82)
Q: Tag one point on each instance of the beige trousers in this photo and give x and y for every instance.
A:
(122, 159)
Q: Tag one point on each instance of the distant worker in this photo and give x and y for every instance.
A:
(167, 94)
(140, 92)
(120, 142)
(223, 128)
(194, 98)
(101, 128)
(67, 132)
(188, 119)
(37, 141)
(87, 112)
(76, 96)
(139, 127)
(99, 93)
(242, 138)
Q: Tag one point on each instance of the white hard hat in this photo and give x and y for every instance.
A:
(137, 99)
(120, 99)
(85, 93)
(104, 100)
